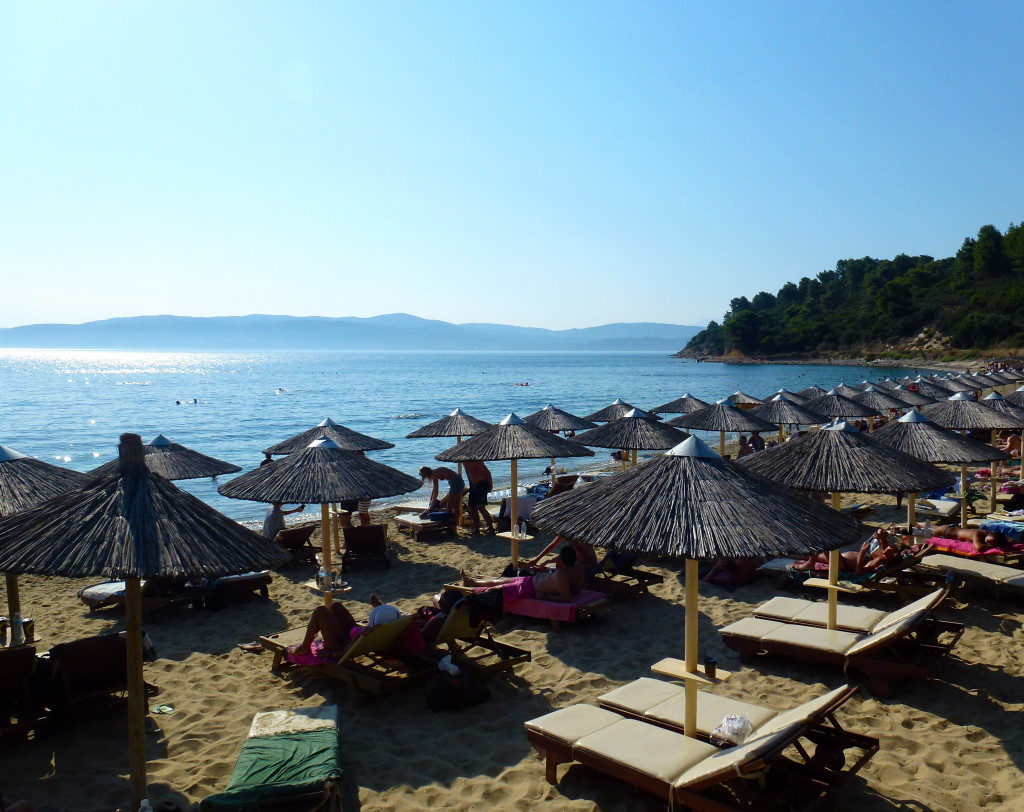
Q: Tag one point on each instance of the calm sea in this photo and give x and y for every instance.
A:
(68, 407)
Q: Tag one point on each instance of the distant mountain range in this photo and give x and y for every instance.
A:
(398, 331)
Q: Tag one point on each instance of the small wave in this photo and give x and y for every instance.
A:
(410, 416)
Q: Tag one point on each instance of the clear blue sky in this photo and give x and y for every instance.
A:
(551, 164)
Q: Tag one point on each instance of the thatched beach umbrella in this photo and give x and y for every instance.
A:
(985, 381)
(792, 396)
(811, 393)
(954, 383)
(320, 473)
(514, 439)
(456, 424)
(918, 436)
(690, 503)
(721, 416)
(847, 391)
(24, 483)
(743, 400)
(840, 459)
(173, 461)
(875, 398)
(128, 527)
(910, 396)
(553, 420)
(613, 411)
(996, 401)
(832, 404)
(931, 388)
(345, 438)
(1017, 396)
(633, 432)
(782, 410)
(687, 404)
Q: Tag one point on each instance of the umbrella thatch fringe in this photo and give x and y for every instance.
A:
(613, 411)
(514, 441)
(695, 507)
(836, 405)
(131, 526)
(780, 409)
(878, 400)
(933, 443)
(845, 462)
(344, 437)
(318, 475)
(632, 433)
(174, 461)
(26, 481)
(684, 405)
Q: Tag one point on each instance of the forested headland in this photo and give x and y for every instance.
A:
(897, 307)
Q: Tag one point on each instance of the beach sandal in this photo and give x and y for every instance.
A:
(252, 648)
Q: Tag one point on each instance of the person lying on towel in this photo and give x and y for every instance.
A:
(559, 585)
(859, 562)
(981, 539)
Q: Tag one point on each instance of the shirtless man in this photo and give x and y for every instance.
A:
(1011, 443)
(480, 484)
(981, 539)
(559, 584)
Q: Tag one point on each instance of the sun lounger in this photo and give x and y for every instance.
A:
(232, 588)
(20, 712)
(412, 524)
(997, 576)
(1012, 553)
(291, 759)
(857, 619)
(897, 648)
(157, 594)
(944, 508)
(373, 662)
(583, 606)
(477, 643)
(695, 774)
(620, 577)
(297, 540)
(1011, 529)
(366, 545)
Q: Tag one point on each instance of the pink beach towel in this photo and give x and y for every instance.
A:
(966, 548)
(552, 610)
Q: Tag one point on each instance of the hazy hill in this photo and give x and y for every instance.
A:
(396, 331)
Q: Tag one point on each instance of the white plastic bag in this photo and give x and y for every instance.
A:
(448, 667)
(733, 729)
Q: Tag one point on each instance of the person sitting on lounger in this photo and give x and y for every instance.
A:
(585, 555)
(856, 563)
(336, 626)
(559, 584)
(733, 571)
(1012, 443)
(981, 539)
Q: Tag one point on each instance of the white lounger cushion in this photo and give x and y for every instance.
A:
(661, 754)
(571, 724)
(711, 710)
(640, 695)
(752, 627)
(296, 720)
(801, 714)
(925, 604)
(724, 762)
(815, 613)
(999, 573)
(833, 641)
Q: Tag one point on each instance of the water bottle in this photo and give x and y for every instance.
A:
(322, 579)
(145, 806)
(17, 631)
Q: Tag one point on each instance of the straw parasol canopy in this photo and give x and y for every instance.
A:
(613, 411)
(811, 393)
(875, 398)
(841, 459)
(633, 432)
(743, 399)
(833, 404)
(690, 503)
(24, 483)
(514, 439)
(932, 389)
(1017, 396)
(848, 391)
(918, 436)
(781, 410)
(173, 461)
(793, 396)
(961, 413)
(996, 401)
(456, 424)
(909, 396)
(343, 437)
(553, 419)
(955, 384)
(131, 526)
(985, 381)
(687, 404)
(721, 416)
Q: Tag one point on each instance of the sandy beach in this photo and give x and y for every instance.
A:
(952, 743)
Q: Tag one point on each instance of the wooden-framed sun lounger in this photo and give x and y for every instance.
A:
(898, 648)
(692, 773)
(157, 594)
(858, 619)
(1013, 553)
(291, 760)
(412, 524)
(477, 643)
(372, 663)
(582, 607)
(943, 508)
(997, 576)
(623, 580)
(20, 710)
(298, 541)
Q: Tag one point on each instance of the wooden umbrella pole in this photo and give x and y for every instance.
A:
(325, 544)
(554, 474)
(721, 443)
(963, 494)
(514, 511)
(633, 460)
(458, 505)
(136, 693)
(13, 596)
(690, 650)
(911, 512)
(833, 572)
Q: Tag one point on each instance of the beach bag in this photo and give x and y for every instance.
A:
(457, 686)
(441, 516)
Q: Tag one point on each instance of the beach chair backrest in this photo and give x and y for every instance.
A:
(928, 602)
(802, 714)
(16, 666)
(458, 626)
(731, 761)
(894, 626)
(378, 638)
(371, 539)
